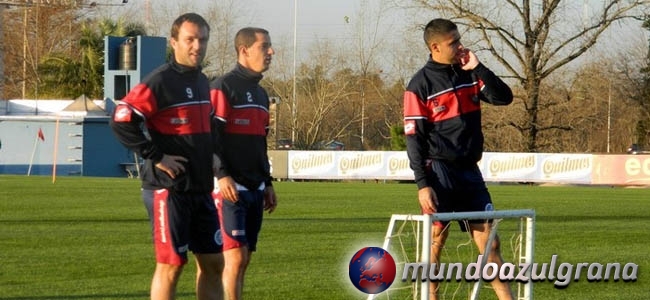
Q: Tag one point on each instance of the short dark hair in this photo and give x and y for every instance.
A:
(436, 28)
(188, 17)
(246, 37)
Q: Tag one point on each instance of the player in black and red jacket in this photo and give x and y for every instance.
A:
(242, 166)
(173, 103)
(444, 139)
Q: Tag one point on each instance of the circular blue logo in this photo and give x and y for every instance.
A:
(372, 270)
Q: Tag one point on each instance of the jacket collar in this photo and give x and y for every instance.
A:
(436, 65)
(182, 69)
(247, 73)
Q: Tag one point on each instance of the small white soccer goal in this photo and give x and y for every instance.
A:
(408, 240)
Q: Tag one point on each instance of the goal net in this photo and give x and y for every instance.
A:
(408, 240)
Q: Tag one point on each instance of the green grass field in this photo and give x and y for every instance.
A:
(89, 238)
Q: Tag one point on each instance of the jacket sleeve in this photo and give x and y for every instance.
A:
(127, 122)
(416, 130)
(222, 108)
(267, 165)
(493, 89)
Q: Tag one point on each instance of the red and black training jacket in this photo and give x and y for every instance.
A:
(173, 101)
(242, 110)
(442, 115)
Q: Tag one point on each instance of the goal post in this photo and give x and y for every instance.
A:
(420, 226)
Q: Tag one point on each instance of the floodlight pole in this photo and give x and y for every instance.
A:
(294, 110)
(24, 87)
(609, 115)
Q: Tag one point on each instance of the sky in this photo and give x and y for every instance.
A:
(315, 18)
(326, 19)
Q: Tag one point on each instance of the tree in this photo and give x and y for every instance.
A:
(281, 88)
(222, 15)
(367, 47)
(29, 34)
(398, 140)
(323, 95)
(533, 39)
(642, 130)
(324, 88)
(68, 76)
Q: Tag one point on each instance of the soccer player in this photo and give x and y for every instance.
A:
(242, 166)
(442, 123)
(173, 102)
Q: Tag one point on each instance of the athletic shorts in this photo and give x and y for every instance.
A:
(241, 221)
(460, 190)
(182, 222)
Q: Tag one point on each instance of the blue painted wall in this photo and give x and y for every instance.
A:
(102, 153)
(85, 147)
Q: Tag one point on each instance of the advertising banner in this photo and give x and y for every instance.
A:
(621, 169)
(510, 167)
(312, 165)
(565, 168)
(398, 166)
(360, 164)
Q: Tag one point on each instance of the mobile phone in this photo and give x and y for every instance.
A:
(463, 57)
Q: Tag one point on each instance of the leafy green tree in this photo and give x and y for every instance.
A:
(68, 76)
(397, 138)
